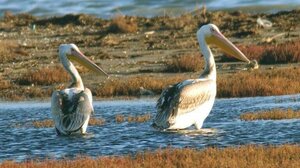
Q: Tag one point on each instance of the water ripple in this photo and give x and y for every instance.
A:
(21, 141)
(108, 8)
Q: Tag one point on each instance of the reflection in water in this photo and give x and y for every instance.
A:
(194, 132)
(20, 141)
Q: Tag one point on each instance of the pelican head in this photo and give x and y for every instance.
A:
(212, 35)
(71, 52)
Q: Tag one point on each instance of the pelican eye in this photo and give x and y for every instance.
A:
(212, 29)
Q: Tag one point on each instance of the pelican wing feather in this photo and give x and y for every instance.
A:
(182, 98)
(71, 112)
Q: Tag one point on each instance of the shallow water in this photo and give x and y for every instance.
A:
(108, 8)
(20, 140)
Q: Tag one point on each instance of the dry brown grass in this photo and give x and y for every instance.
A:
(253, 51)
(138, 118)
(274, 114)
(10, 50)
(44, 76)
(22, 19)
(188, 63)
(233, 157)
(6, 47)
(10, 94)
(43, 124)
(17, 93)
(259, 83)
(130, 86)
(33, 92)
(283, 53)
(123, 24)
(185, 22)
(288, 52)
(4, 84)
(96, 121)
(119, 118)
(241, 84)
(47, 123)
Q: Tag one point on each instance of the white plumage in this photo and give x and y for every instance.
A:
(71, 108)
(190, 102)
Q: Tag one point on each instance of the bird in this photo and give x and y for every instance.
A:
(189, 102)
(71, 107)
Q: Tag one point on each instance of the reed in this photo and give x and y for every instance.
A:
(273, 114)
(16, 93)
(137, 118)
(263, 82)
(288, 52)
(131, 86)
(33, 92)
(185, 22)
(252, 51)
(47, 123)
(187, 63)
(96, 121)
(10, 50)
(233, 157)
(44, 76)
(6, 47)
(123, 24)
(259, 83)
(22, 19)
(5, 84)
(241, 84)
(11, 94)
(119, 118)
(282, 53)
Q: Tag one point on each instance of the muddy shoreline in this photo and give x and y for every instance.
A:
(125, 46)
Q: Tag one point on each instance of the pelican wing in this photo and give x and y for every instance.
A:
(182, 98)
(70, 113)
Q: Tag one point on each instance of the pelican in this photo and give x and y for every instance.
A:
(71, 108)
(189, 102)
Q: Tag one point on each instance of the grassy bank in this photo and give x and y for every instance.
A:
(242, 84)
(265, 82)
(260, 83)
(274, 114)
(233, 157)
(288, 52)
(271, 53)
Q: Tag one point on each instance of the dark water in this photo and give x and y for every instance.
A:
(19, 140)
(108, 8)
